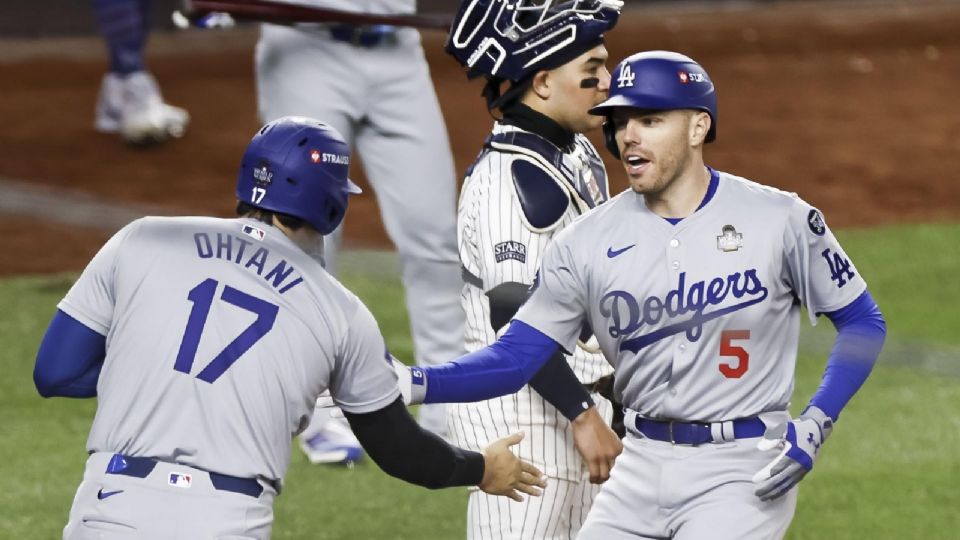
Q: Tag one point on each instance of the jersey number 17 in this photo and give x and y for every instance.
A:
(202, 298)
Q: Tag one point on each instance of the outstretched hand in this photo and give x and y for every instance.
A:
(597, 443)
(506, 474)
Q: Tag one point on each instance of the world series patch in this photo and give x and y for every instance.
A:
(510, 250)
(816, 223)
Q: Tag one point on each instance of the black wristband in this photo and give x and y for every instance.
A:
(558, 385)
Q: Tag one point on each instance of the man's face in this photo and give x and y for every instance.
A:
(577, 86)
(656, 146)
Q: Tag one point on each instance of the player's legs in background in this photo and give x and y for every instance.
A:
(408, 160)
(130, 102)
(307, 74)
(304, 73)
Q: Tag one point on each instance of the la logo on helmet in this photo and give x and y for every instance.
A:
(625, 80)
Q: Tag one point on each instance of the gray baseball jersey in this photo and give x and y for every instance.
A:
(221, 333)
(700, 319)
(381, 98)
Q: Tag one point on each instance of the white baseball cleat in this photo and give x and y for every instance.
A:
(132, 106)
(333, 443)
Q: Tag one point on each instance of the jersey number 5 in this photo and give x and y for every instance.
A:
(734, 371)
(202, 298)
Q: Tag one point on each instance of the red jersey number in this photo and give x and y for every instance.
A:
(734, 370)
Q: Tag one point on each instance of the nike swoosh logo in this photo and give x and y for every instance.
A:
(611, 253)
(104, 494)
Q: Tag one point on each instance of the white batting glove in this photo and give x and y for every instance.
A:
(326, 403)
(411, 380)
(800, 440)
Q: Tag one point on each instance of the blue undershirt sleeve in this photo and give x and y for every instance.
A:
(69, 360)
(861, 331)
(496, 370)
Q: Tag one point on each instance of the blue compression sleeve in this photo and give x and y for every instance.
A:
(496, 370)
(69, 360)
(861, 331)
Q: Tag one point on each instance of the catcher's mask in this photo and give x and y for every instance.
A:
(298, 166)
(511, 40)
(658, 80)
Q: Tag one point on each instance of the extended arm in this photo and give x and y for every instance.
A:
(69, 360)
(399, 446)
(555, 381)
(499, 369)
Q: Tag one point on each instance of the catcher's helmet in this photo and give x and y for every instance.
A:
(513, 39)
(658, 80)
(298, 166)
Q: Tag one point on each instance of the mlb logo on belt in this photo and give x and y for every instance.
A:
(180, 480)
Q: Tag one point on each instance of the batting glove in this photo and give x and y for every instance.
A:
(412, 382)
(800, 440)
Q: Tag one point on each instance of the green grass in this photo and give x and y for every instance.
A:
(889, 471)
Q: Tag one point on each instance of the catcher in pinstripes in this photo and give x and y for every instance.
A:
(536, 173)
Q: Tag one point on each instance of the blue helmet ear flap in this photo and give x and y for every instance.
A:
(330, 217)
(610, 137)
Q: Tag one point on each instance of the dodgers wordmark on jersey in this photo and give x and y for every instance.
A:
(518, 195)
(700, 319)
(238, 389)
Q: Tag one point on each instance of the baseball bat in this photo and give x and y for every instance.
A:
(282, 13)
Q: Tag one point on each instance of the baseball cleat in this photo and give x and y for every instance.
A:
(334, 443)
(132, 106)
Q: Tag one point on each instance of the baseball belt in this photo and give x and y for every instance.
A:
(697, 433)
(141, 467)
(363, 35)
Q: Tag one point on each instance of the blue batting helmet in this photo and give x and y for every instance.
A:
(511, 39)
(298, 166)
(658, 80)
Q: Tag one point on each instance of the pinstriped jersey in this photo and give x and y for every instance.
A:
(501, 242)
(220, 335)
(701, 318)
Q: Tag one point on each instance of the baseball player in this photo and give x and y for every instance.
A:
(693, 280)
(372, 84)
(129, 102)
(536, 173)
(207, 342)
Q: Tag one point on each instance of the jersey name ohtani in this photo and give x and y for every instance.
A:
(627, 315)
(224, 248)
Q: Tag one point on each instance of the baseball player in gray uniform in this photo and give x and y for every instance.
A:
(536, 173)
(372, 84)
(693, 281)
(207, 342)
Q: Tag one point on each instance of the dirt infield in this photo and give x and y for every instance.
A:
(852, 105)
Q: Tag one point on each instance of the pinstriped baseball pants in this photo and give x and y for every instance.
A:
(557, 515)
